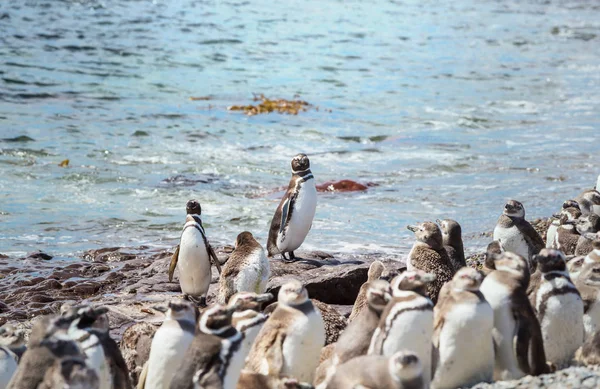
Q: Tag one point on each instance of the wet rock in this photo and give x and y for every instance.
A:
(135, 347)
(341, 186)
(39, 255)
(108, 254)
(185, 180)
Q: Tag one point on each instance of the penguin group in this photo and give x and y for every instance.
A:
(532, 307)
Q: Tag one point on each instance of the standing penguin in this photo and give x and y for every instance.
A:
(290, 342)
(452, 238)
(213, 356)
(516, 234)
(356, 338)
(193, 257)
(375, 271)
(169, 345)
(407, 322)
(402, 370)
(463, 333)
(566, 236)
(559, 308)
(428, 254)
(294, 215)
(520, 347)
(570, 208)
(246, 270)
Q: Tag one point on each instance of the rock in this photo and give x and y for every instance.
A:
(39, 255)
(135, 347)
(341, 186)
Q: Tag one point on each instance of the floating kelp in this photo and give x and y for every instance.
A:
(266, 105)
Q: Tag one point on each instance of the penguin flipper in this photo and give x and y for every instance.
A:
(275, 354)
(173, 264)
(213, 257)
(521, 343)
(142, 380)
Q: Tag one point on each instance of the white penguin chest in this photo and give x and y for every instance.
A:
(166, 354)
(235, 363)
(302, 346)
(303, 213)
(95, 358)
(254, 275)
(194, 263)
(512, 240)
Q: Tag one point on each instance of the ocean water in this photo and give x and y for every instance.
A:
(447, 108)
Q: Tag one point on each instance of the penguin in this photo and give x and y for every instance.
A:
(42, 352)
(246, 270)
(356, 339)
(462, 338)
(519, 344)
(294, 215)
(516, 234)
(589, 202)
(8, 365)
(101, 351)
(407, 321)
(589, 353)
(402, 370)
(566, 236)
(193, 257)
(588, 227)
(428, 254)
(452, 238)
(247, 318)
(588, 285)
(376, 269)
(585, 244)
(569, 208)
(493, 249)
(169, 345)
(290, 342)
(213, 356)
(70, 373)
(13, 339)
(559, 308)
(574, 266)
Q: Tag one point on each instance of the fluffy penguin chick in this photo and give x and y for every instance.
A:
(588, 285)
(213, 354)
(193, 257)
(452, 238)
(290, 342)
(169, 345)
(294, 215)
(70, 373)
(570, 208)
(356, 338)
(375, 271)
(246, 270)
(493, 249)
(428, 255)
(515, 322)
(400, 371)
(463, 333)
(407, 322)
(559, 308)
(515, 233)
(566, 236)
(589, 353)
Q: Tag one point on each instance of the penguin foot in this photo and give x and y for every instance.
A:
(201, 302)
(285, 259)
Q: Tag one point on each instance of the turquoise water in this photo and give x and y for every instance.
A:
(450, 108)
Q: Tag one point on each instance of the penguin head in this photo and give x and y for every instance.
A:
(572, 213)
(300, 163)
(571, 204)
(379, 293)
(550, 260)
(512, 263)
(11, 336)
(248, 300)
(292, 293)
(468, 279)
(574, 265)
(405, 365)
(244, 238)
(86, 316)
(376, 269)
(415, 280)
(514, 208)
(216, 319)
(193, 207)
(494, 248)
(450, 228)
(180, 310)
(588, 224)
(429, 233)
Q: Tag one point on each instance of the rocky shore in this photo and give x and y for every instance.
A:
(130, 281)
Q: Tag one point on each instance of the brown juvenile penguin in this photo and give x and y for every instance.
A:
(375, 271)
(428, 255)
(452, 237)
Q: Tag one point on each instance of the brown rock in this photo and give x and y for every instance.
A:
(341, 186)
(135, 347)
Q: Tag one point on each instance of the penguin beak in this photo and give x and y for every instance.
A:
(160, 308)
(263, 298)
(438, 221)
(412, 228)
(556, 215)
